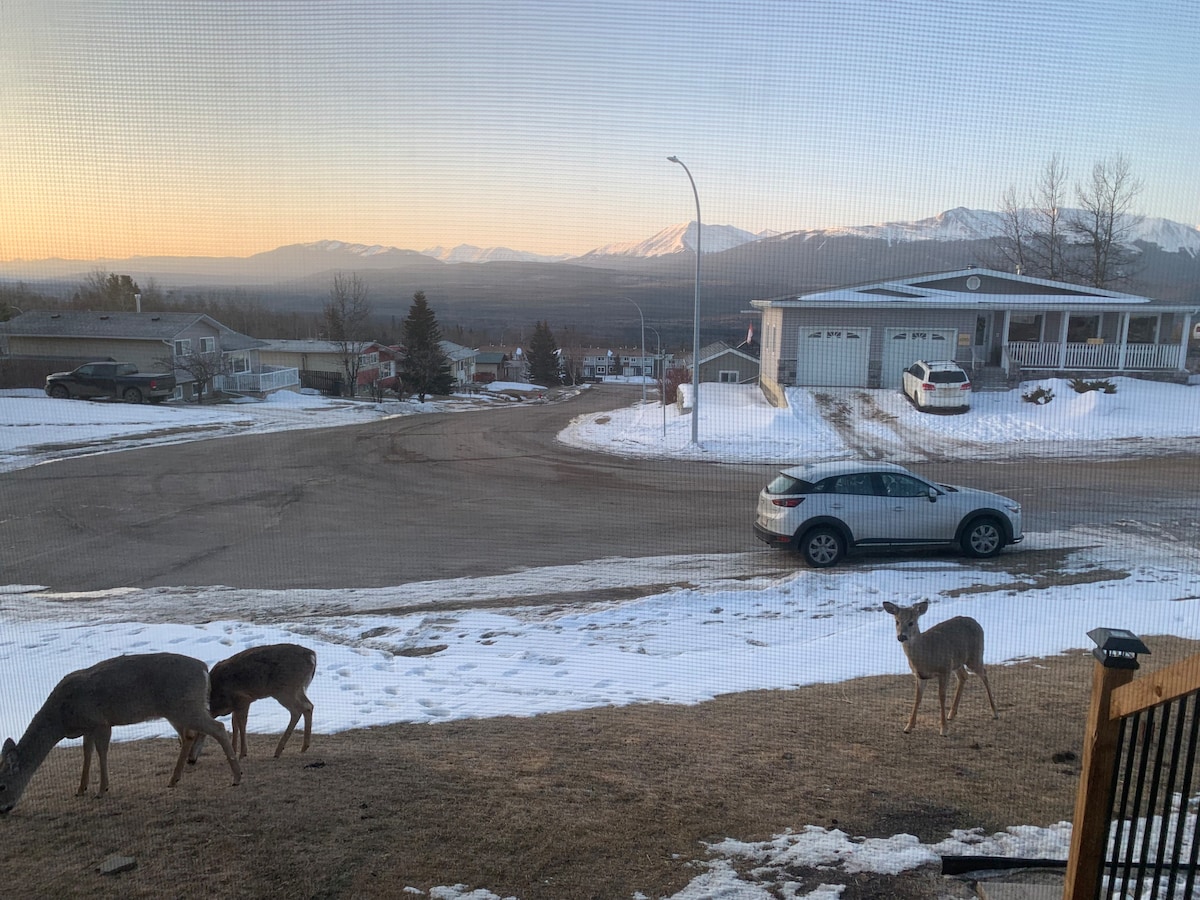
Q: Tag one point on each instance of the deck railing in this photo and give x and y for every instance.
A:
(1074, 355)
(269, 378)
(1134, 831)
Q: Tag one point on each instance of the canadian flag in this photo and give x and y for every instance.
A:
(750, 335)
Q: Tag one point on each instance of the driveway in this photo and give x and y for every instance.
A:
(443, 496)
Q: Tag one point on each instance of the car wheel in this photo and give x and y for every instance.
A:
(132, 395)
(982, 537)
(58, 392)
(822, 547)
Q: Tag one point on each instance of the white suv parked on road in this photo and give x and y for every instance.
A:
(824, 509)
(942, 385)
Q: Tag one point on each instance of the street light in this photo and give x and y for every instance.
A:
(642, 359)
(662, 379)
(696, 314)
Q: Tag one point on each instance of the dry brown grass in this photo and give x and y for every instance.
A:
(600, 803)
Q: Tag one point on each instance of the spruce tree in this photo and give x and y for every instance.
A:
(543, 356)
(425, 368)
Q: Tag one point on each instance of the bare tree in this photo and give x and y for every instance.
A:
(203, 367)
(1105, 222)
(346, 316)
(1033, 235)
(1050, 233)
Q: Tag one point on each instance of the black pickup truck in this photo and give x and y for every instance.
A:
(116, 380)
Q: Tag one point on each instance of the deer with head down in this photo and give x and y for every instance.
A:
(955, 645)
(280, 671)
(123, 690)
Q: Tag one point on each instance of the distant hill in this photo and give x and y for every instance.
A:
(500, 288)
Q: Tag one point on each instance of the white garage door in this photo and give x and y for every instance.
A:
(904, 346)
(833, 357)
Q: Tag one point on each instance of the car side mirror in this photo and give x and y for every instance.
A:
(933, 495)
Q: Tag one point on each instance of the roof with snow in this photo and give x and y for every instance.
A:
(974, 287)
(129, 326)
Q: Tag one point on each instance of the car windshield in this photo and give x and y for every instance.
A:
(786, 484)
(947, 377)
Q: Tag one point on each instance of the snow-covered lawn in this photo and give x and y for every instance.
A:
(684, 646)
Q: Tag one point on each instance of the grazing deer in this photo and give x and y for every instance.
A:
(120, 691)
(955, 645)
(281, 671)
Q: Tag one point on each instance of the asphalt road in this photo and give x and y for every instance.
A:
(452, 495)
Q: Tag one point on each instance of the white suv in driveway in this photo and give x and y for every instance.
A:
(823, 510)
(937, 385)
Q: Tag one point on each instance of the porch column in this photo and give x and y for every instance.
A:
(1183, 343)
(1004, 341)
(1062, 339)
(1124, 341)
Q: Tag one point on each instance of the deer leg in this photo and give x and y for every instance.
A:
(942, 679)
(288, 733)
(87, 766)
(187, 739)
(982, 673)
(241, 716)
(101, 736)
(308, 711)
(961, 675)
(912, 719)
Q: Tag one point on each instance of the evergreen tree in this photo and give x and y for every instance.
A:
(543, 356)
(425, 368)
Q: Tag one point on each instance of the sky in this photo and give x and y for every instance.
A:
(188, 127)
(746, 622)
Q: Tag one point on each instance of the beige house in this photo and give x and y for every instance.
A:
(723, 363)
(39, 342)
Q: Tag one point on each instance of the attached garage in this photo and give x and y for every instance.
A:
(834, 356)
(904, 346)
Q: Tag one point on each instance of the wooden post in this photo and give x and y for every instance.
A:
(1089, 833)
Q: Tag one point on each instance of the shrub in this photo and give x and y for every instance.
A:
(675, 377)
(1083, 385)
(1041, 396)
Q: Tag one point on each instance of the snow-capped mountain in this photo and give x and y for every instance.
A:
(962, 224)
(469, 253)
(680, 239)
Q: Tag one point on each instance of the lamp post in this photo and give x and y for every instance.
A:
(662, 380)
(642, 359)
(696, 313)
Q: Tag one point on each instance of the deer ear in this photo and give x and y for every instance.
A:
(922, 607)
(890, 607)
(8, 758)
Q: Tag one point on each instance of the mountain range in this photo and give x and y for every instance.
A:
(492, 288)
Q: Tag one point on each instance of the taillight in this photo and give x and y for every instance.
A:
(153, 384)
(928, 387)
(789, 502)
(965, 386)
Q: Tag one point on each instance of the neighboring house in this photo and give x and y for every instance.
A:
(997, 325)
(723, 363)
(491, 365)
(599, 363)
(321, 365)
(462, 361)
(55, 338)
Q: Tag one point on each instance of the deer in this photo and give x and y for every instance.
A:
(122, 690)
(281, 671)
(955, 645)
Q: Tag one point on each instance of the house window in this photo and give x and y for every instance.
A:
(240, 364)
(1143, 329)
(1080, 328)
(729, 376)
(208, 344)
(1025, 327)
(183, 347)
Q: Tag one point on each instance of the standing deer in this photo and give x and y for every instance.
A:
(123, 690)
(281, 671)
(955, 645)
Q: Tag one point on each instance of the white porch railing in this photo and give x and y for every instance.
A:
(269, 378)
(1047, 355)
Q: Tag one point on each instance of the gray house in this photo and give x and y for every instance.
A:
(42, 341)
(724, 363)
(997, 325)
